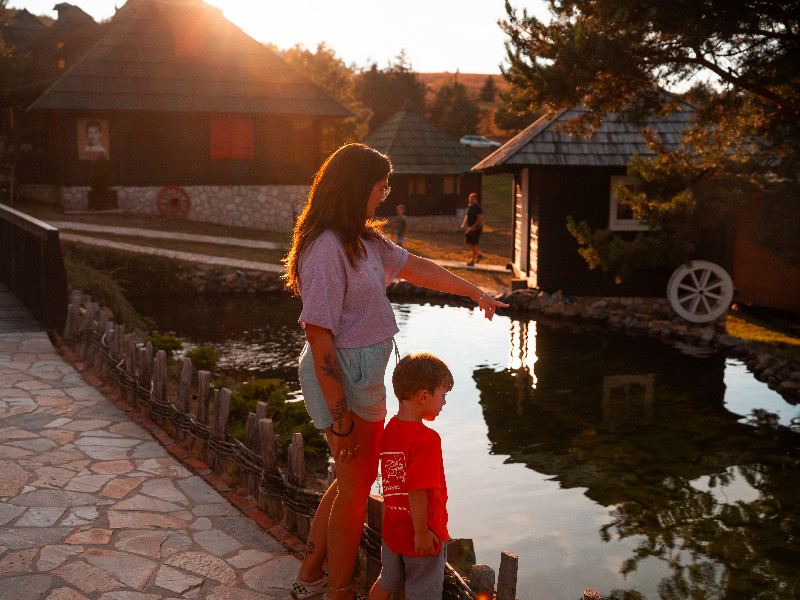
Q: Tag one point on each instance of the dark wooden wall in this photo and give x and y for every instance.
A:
(434, 201)
(162, 149)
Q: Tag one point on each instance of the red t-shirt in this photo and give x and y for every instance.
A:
(411, 459)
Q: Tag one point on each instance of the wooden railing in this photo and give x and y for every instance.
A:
(250, 467)
(31, 266)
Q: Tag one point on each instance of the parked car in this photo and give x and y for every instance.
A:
(478, 141)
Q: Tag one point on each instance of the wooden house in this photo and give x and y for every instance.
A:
(173, 94)
(432, 174)
(558, 174)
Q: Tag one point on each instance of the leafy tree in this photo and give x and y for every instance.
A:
(511, 120)
(329, 72)
(453, 110)
(488, 91)
(618, 55)
(387, 91)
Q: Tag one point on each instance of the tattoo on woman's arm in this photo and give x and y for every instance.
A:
(330, 366)
(339, 411)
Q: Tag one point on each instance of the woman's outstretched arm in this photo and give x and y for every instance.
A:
(426, 273)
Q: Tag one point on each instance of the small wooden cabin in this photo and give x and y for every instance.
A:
(557, 174)
(171, 93)
(433, 174)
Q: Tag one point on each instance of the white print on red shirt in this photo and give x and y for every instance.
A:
(395, 493)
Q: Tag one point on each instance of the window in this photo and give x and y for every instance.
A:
(190, 38)
(416, 186)
(451, 186)
(621, 216)
(232, 137)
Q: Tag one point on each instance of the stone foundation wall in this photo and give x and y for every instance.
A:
(267, 207)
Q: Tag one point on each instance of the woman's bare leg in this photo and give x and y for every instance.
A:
(317, 544)
(346, 521)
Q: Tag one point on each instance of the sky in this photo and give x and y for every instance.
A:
(437, 35)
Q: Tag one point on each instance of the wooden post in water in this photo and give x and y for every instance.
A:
(375, 510)
(507, 576)
(590, 594)
(481, 580)
(297, 522)
(269, 502)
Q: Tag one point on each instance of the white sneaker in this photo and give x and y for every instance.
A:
(305, 590)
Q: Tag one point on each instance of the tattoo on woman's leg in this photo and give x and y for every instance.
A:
(310, 548)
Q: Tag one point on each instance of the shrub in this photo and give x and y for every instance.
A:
(168, 343)
(204, 358)
(138, 275)
(104, 290)
(287, 417)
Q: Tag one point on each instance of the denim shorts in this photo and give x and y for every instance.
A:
(422, 577)
(363, 371)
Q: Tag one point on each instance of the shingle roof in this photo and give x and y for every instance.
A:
(133, 67)
(612, 143)
(416, 146)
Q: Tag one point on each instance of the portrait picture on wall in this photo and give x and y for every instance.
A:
(92, 138)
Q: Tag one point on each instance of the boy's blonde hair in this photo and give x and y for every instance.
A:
(421, 371)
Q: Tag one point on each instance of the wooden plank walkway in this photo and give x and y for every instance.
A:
(15, 318)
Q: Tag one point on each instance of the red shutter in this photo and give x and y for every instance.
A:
(232, 137)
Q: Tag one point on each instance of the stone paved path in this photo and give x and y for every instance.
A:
(93, 508)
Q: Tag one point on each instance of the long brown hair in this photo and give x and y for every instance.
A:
(338, 200)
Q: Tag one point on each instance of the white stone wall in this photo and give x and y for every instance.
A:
(268, 207)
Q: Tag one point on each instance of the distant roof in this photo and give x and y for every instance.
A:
(416, 146)
(21, 28)
(613, 143)
(133, 67)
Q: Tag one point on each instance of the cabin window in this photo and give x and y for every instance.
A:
(232, 137)
(622, 216)
(190, 38)
(451, 186)
(416, 186)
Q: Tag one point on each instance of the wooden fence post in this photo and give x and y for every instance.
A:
(271, 488)
(101, 362)
(249, 478)
(297, 522)
(159, 387)
(507, 576)
(222, 407)
(375, 510)
(130, 370)
(200, 444)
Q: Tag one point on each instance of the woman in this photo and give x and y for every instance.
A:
(340, 266)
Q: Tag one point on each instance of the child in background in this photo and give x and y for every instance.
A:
(414, 551)
(401, 224)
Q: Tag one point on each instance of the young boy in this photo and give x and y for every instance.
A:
(414, 489)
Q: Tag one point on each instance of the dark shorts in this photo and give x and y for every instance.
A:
(472, 237)
(422, 577)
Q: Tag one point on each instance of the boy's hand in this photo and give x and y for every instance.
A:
(425, 543)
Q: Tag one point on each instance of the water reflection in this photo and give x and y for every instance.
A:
(601, 460)
(713, 498)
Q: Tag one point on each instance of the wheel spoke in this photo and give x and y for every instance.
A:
(705, 274)
(684, 286)
(705, 301)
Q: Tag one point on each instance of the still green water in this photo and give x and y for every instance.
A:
(636, 468)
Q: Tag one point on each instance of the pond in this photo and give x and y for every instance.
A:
(639, 469)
